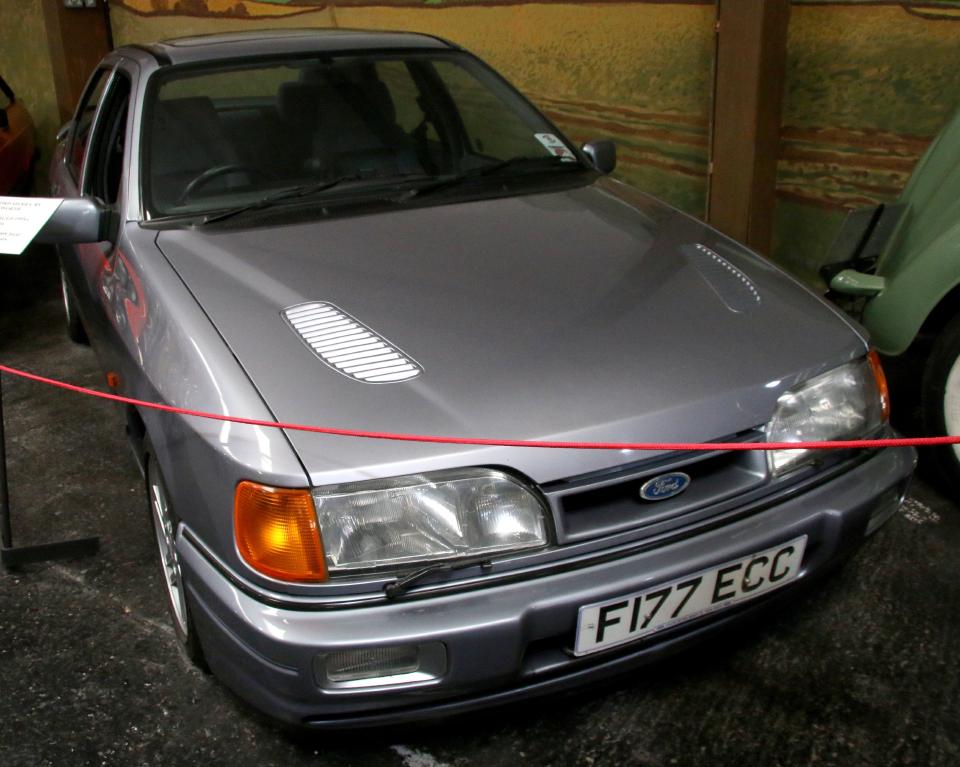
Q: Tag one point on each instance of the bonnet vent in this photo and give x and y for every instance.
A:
(348, 346)
(730, 284)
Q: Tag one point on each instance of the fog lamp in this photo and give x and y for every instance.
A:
(362, 667)
(367, 663)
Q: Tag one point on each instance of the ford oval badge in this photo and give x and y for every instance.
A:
(665, 486)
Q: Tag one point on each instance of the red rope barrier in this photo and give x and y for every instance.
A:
(362, 434)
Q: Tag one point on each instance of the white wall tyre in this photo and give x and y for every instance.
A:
(940, 405)
(951, 405)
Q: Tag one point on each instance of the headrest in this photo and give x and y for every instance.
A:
(299, 103)
(187, 134)
(191, 111)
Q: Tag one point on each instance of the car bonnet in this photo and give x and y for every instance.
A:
(588, 314)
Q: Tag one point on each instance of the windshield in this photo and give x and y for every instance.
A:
(225, 136)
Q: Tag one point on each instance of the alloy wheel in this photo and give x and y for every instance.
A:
(166, 532)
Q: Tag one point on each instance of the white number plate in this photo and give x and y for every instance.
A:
(617, 621)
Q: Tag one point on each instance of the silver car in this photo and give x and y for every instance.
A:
(375, 231)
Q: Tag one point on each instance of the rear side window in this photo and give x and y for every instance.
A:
(84, 121)
(107, 143)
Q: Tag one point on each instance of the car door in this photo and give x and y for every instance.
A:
(66, 174)
(96, 160)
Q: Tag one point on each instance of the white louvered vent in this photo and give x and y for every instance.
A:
(349, 346)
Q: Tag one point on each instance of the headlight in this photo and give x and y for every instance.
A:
(845, 403)
(427, 517)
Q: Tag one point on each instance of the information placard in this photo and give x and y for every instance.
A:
(21, 219)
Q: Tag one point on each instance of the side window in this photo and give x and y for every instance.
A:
(491, 130)
(84, 121)
(107, 143)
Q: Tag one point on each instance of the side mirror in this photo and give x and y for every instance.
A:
(76, 220)
(854, 283)
(603, 154)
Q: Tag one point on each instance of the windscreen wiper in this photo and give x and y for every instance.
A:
(400, 586)
(304, 190)
(520, 161)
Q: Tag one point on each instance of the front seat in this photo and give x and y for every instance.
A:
(186, 139)
(357, 131)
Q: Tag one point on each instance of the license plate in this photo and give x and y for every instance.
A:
(628, 618)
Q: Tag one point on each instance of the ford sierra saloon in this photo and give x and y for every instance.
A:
(375, 231)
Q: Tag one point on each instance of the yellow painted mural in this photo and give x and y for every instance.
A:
(219, 8)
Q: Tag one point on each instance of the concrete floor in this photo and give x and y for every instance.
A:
(864, 672)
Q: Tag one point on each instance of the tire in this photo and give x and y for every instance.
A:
(165, 523)
(75, 330)
(940, 405)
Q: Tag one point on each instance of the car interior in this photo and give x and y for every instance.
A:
(280, 126)
(326, 124)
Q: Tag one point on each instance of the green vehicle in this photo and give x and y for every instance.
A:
(896, 268)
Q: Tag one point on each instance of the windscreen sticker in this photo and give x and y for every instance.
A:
(555, 146)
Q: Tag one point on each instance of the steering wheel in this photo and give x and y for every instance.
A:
(213, 173)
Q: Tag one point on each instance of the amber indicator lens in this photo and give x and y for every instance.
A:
(881, 379)
(277, 533)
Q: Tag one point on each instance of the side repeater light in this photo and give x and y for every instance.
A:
(277, 533)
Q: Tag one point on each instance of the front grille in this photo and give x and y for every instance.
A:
(609, 502)
(348, 346)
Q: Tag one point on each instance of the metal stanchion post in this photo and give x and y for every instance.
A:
(6, 532)
(12, 556)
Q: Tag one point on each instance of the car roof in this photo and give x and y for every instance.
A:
(232, 45)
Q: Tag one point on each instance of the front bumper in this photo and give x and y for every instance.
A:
(510, 641)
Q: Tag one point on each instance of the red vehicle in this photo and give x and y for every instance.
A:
(18, 146)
